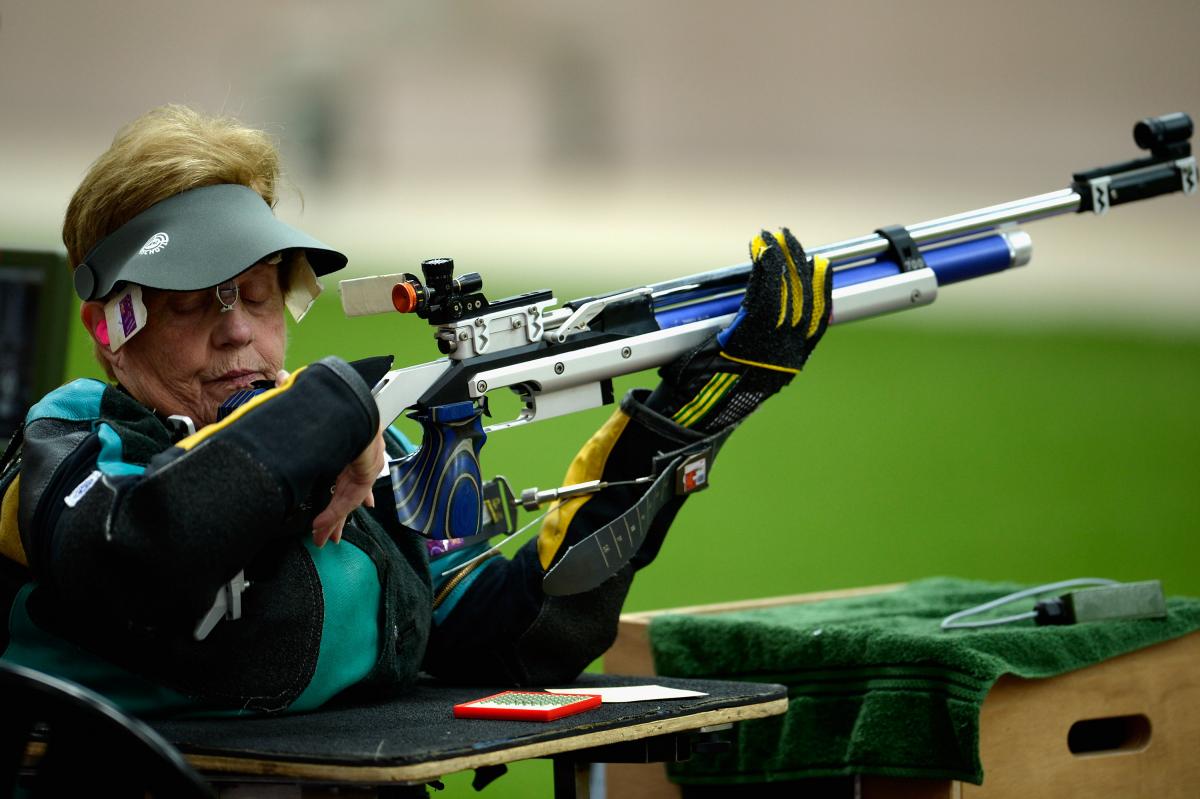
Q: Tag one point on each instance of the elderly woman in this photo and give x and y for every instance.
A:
(138, 515)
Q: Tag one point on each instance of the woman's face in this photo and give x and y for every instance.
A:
(192, 355)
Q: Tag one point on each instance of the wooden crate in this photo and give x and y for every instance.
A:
(1142, 711)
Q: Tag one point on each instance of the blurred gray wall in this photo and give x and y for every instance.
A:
(600, 143)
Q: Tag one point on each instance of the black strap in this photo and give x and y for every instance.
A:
(599, 556)
(901, 248)
(634, 406)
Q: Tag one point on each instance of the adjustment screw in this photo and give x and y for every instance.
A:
(463, 335)
(626, 352)
(481, 386)
(479, 322)
(916, 295)
(517, 322)
(559, 368)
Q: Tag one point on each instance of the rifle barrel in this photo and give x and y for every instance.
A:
(845, 254)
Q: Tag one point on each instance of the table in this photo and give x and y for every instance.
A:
(414, 739)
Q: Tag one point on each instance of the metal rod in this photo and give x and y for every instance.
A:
(988, 219)
(969, 223)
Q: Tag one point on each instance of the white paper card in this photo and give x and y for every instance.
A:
(124, 316)
(631, 693)
(364, 296)
(303, 286)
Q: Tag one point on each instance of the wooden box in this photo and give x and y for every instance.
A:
(1132, 721)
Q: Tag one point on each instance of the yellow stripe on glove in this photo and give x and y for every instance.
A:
(702, 403)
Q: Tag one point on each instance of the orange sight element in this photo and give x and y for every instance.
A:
(404, 297)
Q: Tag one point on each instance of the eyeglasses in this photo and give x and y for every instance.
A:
(227, 295)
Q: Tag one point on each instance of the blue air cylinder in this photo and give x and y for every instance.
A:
(952, 263)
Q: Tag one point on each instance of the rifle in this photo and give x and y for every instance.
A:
(560, 360)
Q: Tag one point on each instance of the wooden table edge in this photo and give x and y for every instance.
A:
(643, 617)
(418, 772)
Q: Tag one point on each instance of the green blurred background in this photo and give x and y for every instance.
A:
(1033, 426)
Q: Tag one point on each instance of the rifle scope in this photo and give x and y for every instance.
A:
(443, 297)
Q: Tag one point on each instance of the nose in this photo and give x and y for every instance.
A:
(234, 329)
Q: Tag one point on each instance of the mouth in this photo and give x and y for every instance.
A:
(235, 379)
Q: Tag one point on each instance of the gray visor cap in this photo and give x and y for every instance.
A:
(194, 240)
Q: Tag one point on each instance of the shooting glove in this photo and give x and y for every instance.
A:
(782, 317)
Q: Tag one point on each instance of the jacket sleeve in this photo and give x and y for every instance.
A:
(152, 544)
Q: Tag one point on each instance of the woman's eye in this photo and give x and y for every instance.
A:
(188, 302)
(256, 296)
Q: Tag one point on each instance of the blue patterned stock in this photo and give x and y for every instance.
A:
(437, 488)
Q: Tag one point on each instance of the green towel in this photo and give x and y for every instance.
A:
(875, 686)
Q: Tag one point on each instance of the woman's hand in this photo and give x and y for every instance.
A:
(351, 489)
(783, 315)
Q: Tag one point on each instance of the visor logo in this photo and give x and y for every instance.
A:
(154, 244)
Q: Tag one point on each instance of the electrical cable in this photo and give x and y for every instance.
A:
(952, 622)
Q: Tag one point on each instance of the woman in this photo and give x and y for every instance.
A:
(177, 561)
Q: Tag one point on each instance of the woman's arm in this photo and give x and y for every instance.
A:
(153, 543)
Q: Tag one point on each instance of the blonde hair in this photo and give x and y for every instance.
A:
(166, 151)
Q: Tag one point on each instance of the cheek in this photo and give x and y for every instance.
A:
(159, 351)
(184, 353)
(162, 370)
(271, 342)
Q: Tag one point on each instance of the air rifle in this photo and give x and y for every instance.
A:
(560, 360)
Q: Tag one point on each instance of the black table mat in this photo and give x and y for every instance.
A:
(419, 727)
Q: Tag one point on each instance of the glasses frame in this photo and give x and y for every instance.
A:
(224, 290)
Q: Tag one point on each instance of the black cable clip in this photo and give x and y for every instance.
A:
(901, 248)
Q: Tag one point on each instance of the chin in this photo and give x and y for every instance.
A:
(208, 414)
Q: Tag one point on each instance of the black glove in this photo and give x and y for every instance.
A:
(783, 315)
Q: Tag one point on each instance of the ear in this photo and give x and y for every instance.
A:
(92, 315)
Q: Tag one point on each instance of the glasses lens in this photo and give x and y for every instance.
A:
(227, 294)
